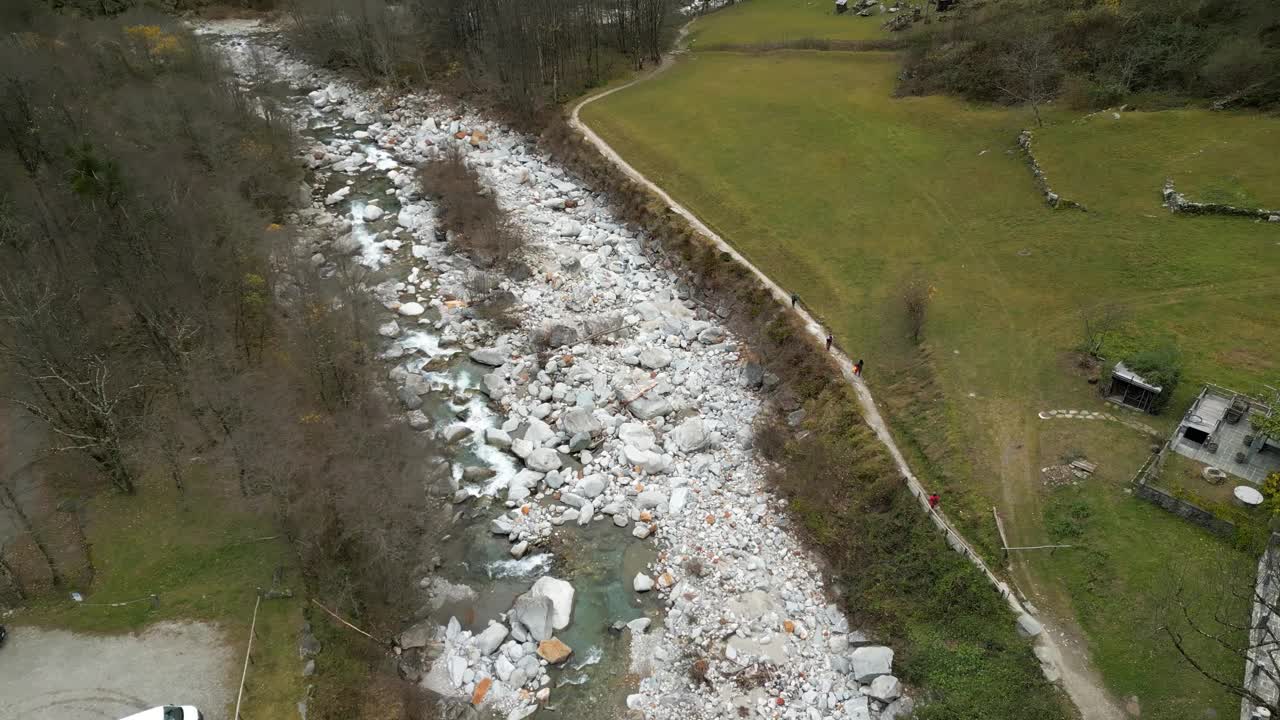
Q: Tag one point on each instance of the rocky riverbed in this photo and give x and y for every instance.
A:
(618, 408)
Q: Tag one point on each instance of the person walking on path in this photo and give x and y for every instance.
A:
(828, 342)
(794, 299)
(857, 368)
(934, 499)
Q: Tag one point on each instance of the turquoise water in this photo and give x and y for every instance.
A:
(599, 560)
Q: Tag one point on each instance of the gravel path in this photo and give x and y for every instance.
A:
(59, 675)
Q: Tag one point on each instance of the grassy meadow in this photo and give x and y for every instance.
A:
(807, 163)
(204, 555)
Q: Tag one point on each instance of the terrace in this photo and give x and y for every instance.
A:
(1218, 430)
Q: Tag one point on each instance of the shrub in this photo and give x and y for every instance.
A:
(469, 212)
(1160, 365)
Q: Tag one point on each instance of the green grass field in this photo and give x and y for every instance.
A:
(1128, 560)
(806, 163)
(204, 556)
(757, 21)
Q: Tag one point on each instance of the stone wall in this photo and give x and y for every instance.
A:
(1177, 202)
(1042, 181)
(1184, 509)
(1265, 625)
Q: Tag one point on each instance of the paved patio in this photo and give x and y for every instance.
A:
(1207, 416)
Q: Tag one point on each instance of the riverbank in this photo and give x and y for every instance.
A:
(635, 410)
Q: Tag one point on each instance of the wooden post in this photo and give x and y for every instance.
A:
(253, 626)
(1004, 541)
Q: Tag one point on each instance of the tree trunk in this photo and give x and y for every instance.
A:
(111, 460)
(28, 528)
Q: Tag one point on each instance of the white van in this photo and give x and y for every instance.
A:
(168, 712)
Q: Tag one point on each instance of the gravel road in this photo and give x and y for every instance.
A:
(54, 674)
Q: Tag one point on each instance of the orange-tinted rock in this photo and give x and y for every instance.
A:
(554, 651)
(482, 689)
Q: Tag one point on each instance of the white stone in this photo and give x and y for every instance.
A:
(412, 309)
(886, 688)
(870, 662)
(543, 460)
(561, 594)
(690, 435)
(642, 583)
(492, 636)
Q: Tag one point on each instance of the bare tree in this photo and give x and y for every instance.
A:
(916, 295)
(1031, 71)
(69, 384)
(1099, 321)
(1253, 640)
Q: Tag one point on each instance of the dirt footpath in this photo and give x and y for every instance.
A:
(58, 675)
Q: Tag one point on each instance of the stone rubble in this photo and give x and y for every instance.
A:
(647, 428)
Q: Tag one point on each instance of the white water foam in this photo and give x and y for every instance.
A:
(529, 566)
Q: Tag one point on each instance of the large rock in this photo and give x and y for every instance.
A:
(636, 435)
(419, 420)
(711, 336)
(521, 448)
(412, 309)
(534, 613)
(642, 583)
(492, 637)
(554, 651)
(650, 499)
(580, 420)
(497, 437)
(870, 662)
(543, 460)
(559, 335)
(647, 409)
(655, 358)
(489, 356)
(857, 708)
(679, 498)
(418, 635)
(538, 432)
(592, 485)
(455, 432)
(690, 435)
(886, 688)
(752, 375)
(560, 593)
(900, 708)
(457, 668)
(410, 399)
(649, 461)
(494, 386)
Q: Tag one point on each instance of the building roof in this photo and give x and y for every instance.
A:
(1133, 378)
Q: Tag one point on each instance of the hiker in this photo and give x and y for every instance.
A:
(841, 6)
(934, 499)
(828, 342)
(857, 368)
(794, 299)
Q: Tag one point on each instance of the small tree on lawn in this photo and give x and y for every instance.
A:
(1098, 322)
(915, 301)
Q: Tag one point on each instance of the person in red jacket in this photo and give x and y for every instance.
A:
(934, 499)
